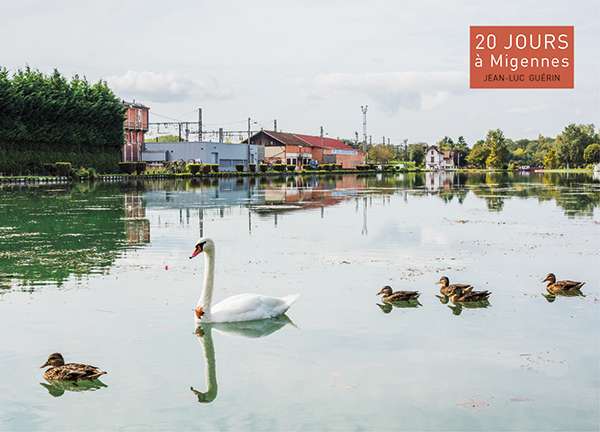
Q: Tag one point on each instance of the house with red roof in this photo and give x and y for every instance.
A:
(300, 149)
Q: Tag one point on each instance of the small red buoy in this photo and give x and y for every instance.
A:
(166, 267)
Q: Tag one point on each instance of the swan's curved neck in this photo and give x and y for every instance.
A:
(210, 369)
(209, 278)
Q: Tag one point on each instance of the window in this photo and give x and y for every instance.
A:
(289, 161)
(431, 158)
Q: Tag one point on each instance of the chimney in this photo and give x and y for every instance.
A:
(220, 134)
(321, 131)
(275, 125)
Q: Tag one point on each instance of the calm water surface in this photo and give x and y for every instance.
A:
(101, 273)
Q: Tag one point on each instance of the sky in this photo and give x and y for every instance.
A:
(307, 63)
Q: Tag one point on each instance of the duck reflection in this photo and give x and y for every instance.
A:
(387, 307)
(550, 298)
(248, 329)
(58, 388)
(457, 308)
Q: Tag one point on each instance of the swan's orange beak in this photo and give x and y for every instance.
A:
(197, 251)
(199, 312)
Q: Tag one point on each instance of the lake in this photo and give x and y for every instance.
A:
(100, 272)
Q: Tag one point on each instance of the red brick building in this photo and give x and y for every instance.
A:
(135, 126)
(300, 149)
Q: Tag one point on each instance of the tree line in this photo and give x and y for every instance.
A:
(576, 146)
(46, 118)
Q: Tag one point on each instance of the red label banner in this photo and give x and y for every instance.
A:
(522, 57)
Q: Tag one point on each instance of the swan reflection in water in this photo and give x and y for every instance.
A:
(247, 329)
(58, 388)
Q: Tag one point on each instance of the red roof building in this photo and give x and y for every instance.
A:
(300, 149)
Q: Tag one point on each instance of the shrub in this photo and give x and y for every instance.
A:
(362, 167)
(279, 167)
(252, 167)
(214, 167)
(49, 169)
(327, 167)
(338, 166)
(194, 168)
(140, 167)
(263, 168)
(63, 169)
(85, 174)
(291, 167)
(239, 168)
(127, 167)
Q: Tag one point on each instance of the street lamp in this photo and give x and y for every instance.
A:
(248, 146)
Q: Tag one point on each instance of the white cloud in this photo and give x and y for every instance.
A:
(165, 87)
(394, 90)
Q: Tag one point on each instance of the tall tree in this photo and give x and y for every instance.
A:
(478, 154)
(591, 154)
(571, 143)
(498, 152)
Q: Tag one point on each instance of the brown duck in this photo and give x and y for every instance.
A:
(61, 371)
(446, 289)
(389, 296)
(459, 295)
(562, 287)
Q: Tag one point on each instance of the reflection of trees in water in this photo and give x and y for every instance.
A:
(49, 233)
(574, 193)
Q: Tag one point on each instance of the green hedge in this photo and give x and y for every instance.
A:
(63, 169)
(48, 118)
(132, 167)
(15, 161)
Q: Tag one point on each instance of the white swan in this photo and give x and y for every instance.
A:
(241, 307)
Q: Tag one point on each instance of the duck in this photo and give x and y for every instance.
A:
(237, 308)
(563, 287)
(389, 296)
(459, 295)
(61, 371)
(446, 289)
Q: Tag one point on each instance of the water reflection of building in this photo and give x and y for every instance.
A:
(439, 180)
(305, 193)
(137, 227)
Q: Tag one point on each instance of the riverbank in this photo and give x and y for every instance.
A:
(126, 177)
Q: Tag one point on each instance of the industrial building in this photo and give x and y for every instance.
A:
(227, 156)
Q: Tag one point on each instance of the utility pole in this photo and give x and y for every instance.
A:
(200, 124)
(364, 113)
(187, 132)
(248, 148)
(356, 139)
(179, 132)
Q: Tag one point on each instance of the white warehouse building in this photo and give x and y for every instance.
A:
(226, 155)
